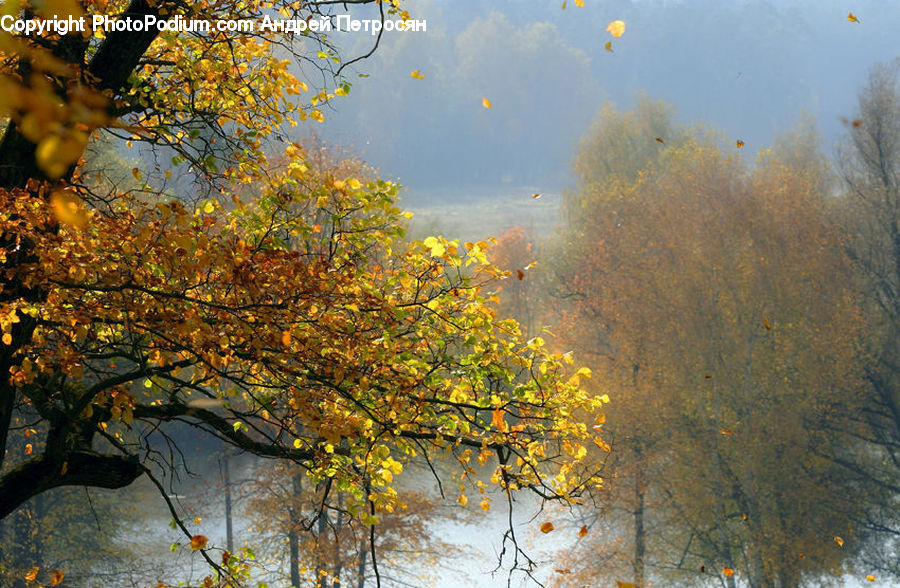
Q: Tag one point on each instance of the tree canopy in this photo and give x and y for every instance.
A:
(274, 306)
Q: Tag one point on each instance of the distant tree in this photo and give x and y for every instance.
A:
(870, 209)
(718, 303)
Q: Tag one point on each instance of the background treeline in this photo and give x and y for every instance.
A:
(745, 319)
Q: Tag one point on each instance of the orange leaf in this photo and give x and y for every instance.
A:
(57, 577)
(852, 17)
(32, 574)
(536, 196)
(870, 578)
(198, 542)
(485, 102)
(583, 531)
(729, 572)
(620, 584)
(660, 140)
(497, 419)
(28, 449)
(520, 274)
(547, 527)
(286, 338)
(839, 541)
(728, 432)
(739, 143)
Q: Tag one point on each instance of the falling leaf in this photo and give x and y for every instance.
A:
(616, 28)
(739, 143)
(766, 324)
(32, 574)
(743, 516)
(608, 46)
(7, 338)
(563, 5)
(660, 140)
(28, 448)
(68, 208)
(625, 584)
(416, 74)
(136, 173)
(583, 531)
(520, 274)
(729, 572)
(564, 571)
(579, 3)
(485, 102)
(485, 505)
(56, 577)
(702, 569)
(197, 520)
(547, 527)
(198, 542)
(707, 377)
(852, 18)
(286, 338)
(802, 555)
(857, 123)
(536, 196)
(870, 578)
(728, 432)
(463, 500)
(839, 541)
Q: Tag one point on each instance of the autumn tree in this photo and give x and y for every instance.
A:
(870, 210)
(293, 321)
(718, 302)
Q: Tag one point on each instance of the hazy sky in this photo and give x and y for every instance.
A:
(748, 69)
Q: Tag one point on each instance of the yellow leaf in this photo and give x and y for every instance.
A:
(485, 102)
(197, 520)
(463, 500)
(209, 207)
(57, 577)
(579, 3)
(416, 74)
(55, 154)
(136, 173)
(563, 5)
(870, 578)
(584, 372)
(852, 17)
(624, 584)
(354, 184)
(729, 572)
(605, 399)
(198, 542)
(608, 46)
(839, 541)
(616, 28)
(547, 527)
(28, 449)
(7, 339)
(766, 324)
(485, 505)
(437, 248)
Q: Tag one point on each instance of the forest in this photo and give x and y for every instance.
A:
(398, 294)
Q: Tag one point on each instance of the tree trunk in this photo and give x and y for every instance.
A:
(639, 536)
(293, 536)
(229, 528)
(361, 568)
